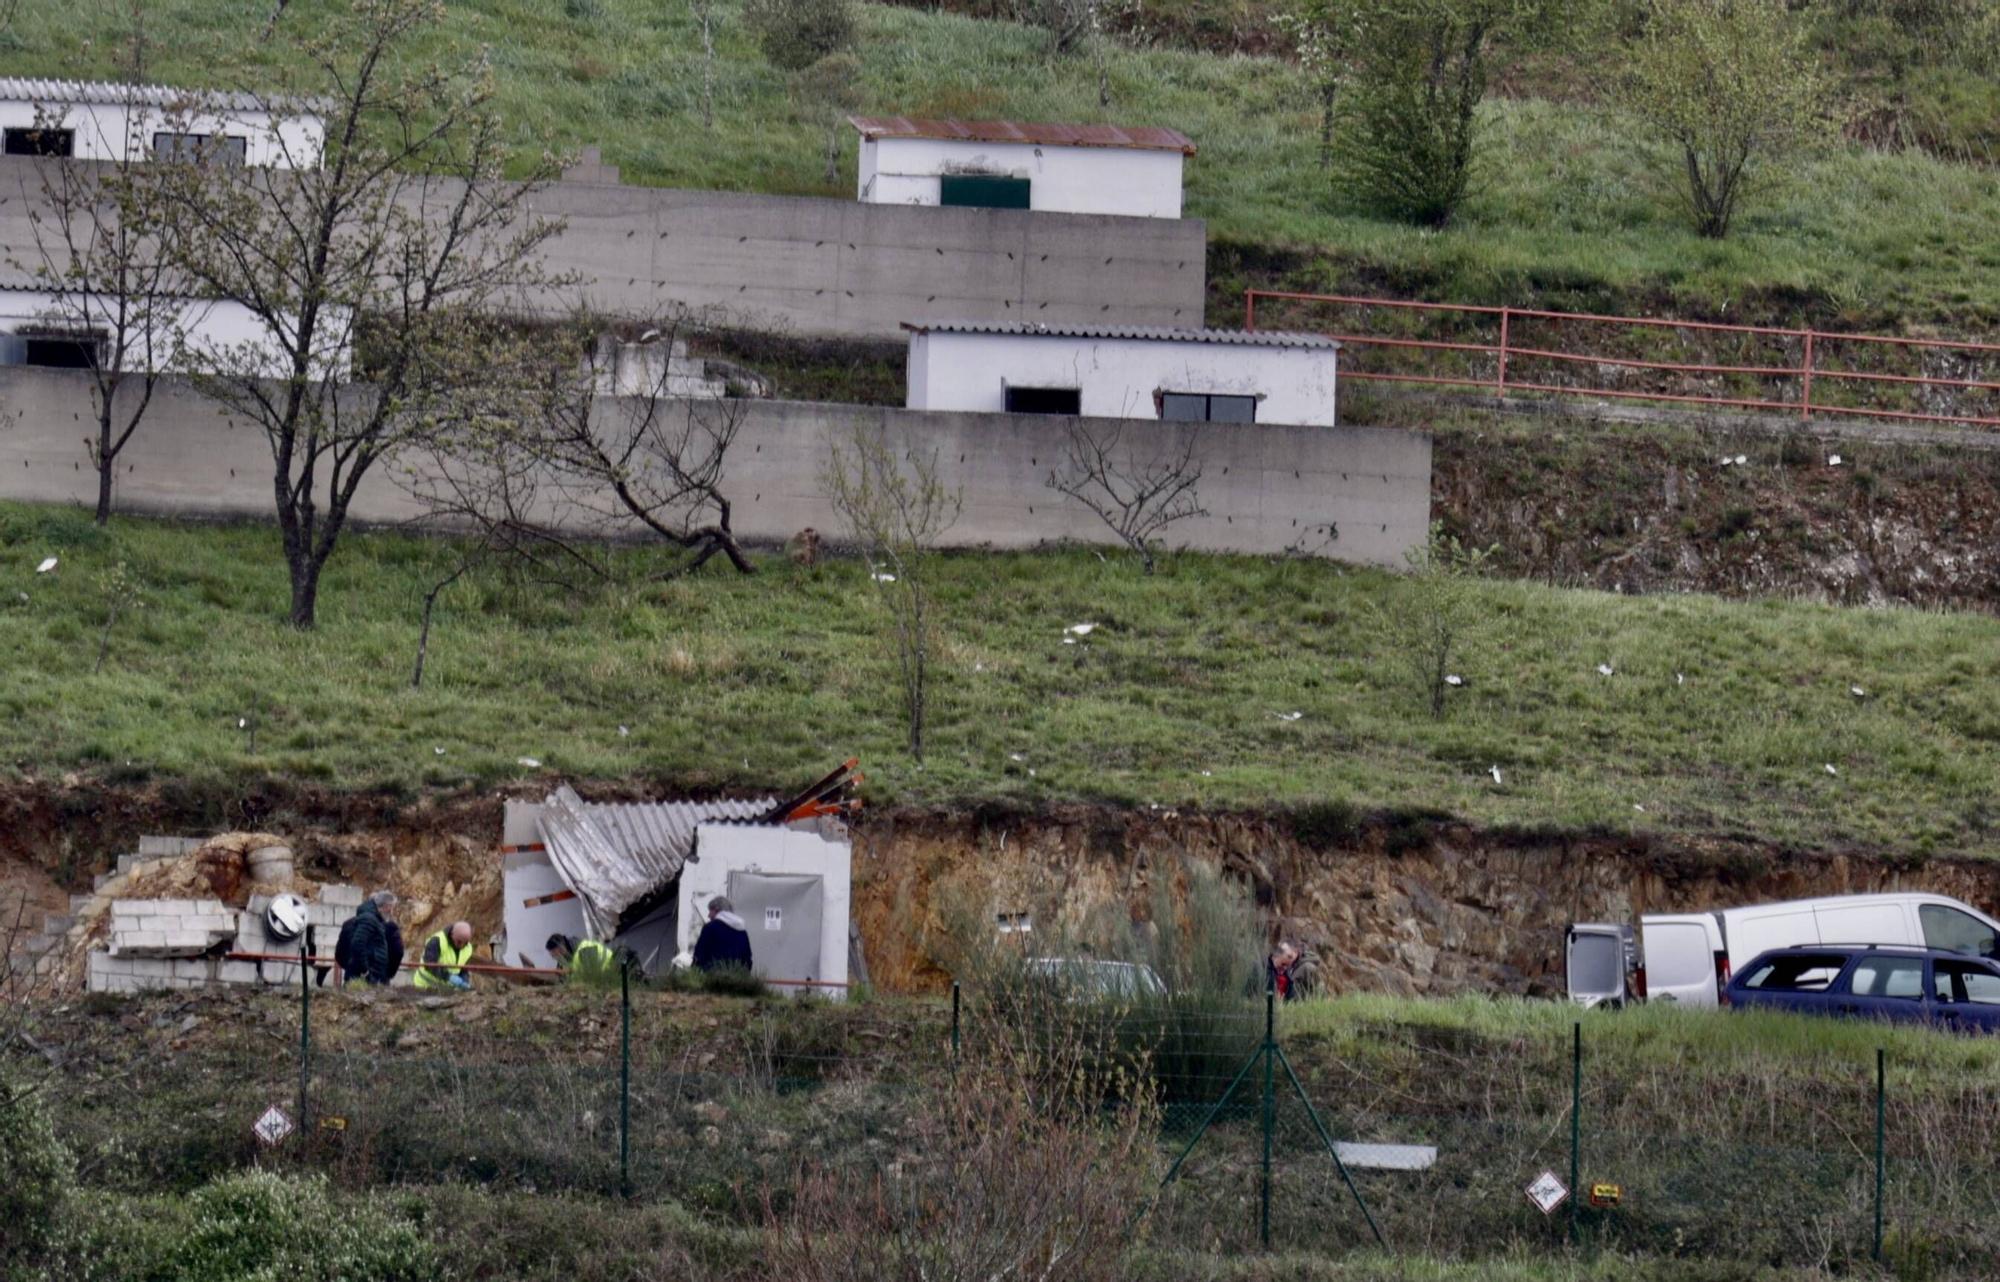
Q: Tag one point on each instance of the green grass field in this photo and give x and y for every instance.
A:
(1569, 208)
(1720, 717)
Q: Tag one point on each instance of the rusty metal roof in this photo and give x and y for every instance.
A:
(614, 855)
(1142, 333)
(1136, 137)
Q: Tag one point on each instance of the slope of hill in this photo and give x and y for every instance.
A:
(1568, 209)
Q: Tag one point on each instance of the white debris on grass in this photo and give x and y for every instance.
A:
(624, 732)
(1605, 669)
(1288, 716)
(1680, 680)
(1833, 460)
(1495, 772)
(883, 578)
(530, 762)
(46, 566)
(1857, 692)
(1828, 767)
(1453, 679)
(1081, 629)
(439, 751)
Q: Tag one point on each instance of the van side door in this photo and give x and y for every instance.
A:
(1862, 922)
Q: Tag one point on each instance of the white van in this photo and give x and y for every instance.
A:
(1690, 956)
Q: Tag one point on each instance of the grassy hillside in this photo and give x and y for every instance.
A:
(1568, 208)
(1720, 717)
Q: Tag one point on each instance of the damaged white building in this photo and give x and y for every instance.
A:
(639, 875)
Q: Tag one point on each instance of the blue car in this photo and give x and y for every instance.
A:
(1898, 983)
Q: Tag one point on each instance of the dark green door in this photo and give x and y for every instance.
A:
(982, 191)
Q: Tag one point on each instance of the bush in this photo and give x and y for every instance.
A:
(259, 1225)
(36, 1175)
(795, 34)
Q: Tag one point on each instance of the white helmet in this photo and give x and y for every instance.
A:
(286, 917)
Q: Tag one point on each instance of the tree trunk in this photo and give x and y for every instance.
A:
(103, 489)
(305, 591)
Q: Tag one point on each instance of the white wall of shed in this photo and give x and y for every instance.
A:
(107, 131)
(188, 334)
(1138, 183)
(1118, 377)
(721, 849)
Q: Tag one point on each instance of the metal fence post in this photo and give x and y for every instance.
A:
(1805, 379)
(1505, 316)
(1270, 1112)
(305, 1030)
(1881, 1137)
(1575, 1123)
(624, 1079)
(954, 1023)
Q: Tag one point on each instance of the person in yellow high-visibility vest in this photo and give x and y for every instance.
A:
(584, 959)
(446, 954)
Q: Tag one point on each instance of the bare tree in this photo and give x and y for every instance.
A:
(624, 439)
(381, 251)
(98, 255)
(1138, 498)
(1432, 609)
(896, 510)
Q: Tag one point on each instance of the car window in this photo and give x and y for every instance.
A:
(1967, 982)
(1888, 977)
(1956, 931)
(1798, 973)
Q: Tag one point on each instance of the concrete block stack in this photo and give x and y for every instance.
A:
(180, 943)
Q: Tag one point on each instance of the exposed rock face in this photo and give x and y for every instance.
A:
(1388, 907)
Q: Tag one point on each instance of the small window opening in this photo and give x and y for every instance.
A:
(41, 142)
(1044, 400)
(982, 191)
(1204, 407)
(226, 149)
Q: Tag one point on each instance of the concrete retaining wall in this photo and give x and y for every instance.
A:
(835, 267)
(1353, 493)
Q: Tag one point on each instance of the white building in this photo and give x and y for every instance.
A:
(1001, 164)
(179, 336)
(1118, 371)
(101, 121)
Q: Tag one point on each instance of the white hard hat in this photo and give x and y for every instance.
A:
(286, 917)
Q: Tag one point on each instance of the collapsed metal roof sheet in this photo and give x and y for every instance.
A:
(615, 854)
(1133, 137)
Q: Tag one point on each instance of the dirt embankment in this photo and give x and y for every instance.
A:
(1628, 510)
(1393, 904)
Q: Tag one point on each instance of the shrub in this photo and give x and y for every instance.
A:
(795, 34)
(259, 1225)
(36, 1175)
(1433, 608)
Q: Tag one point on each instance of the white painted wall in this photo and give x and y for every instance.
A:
(720, 849)
(106, 131)
(1119, 377)
(188, 334)
(1076, 180)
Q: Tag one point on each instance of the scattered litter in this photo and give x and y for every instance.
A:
(242, 723)
(1015, 756)
(1604, 669)
(1288, 716)
(1833, 460)
(883, 578)
(1495, 772)
(530, 762)
(1828, 767)
(1069, 640)
(1680, 680)
(624, 732)
(1857, 692)
(438, 751)
(1208, 774)
(22, 595)
(1454, 680)
(1081, 629)
(46, 566)
(1031, 773)
(1636, 806)
(979, 667)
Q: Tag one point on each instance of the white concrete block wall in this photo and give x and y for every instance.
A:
(1133, 182)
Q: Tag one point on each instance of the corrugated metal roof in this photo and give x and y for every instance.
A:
(39, 91)
(1145, 333)
(1136, 137)
(613, 855)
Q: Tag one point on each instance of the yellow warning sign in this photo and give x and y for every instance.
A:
(333, 1122)
(1605, 1195)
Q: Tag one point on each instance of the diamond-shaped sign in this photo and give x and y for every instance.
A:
(1547, 1192)
(273, 1126)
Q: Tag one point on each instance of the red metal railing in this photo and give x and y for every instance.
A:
(1815, 372)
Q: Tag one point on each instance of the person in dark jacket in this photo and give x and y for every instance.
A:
(723, 941)
(1291, 972)
(370, 947)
